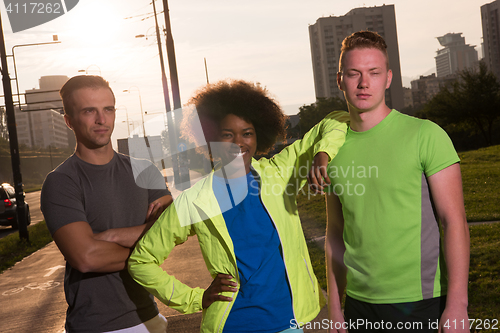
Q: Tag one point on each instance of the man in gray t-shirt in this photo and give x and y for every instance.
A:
(96, 205)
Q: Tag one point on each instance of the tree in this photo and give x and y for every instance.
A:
(312, 114)
(292, 132)
(470, 105)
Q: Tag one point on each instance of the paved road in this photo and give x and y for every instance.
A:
(33, 200)
(32, 295)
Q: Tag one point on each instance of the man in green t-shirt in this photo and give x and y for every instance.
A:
(393, 180)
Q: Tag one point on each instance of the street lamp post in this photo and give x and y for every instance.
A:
(14, 146)
(140, 103)
(126, 113)
(174, 81)
(131, 122)
(15, 68)
(146, 35)
(17, 81)
(86, 70)
(146, 140)
(181, 176)
(172, 64)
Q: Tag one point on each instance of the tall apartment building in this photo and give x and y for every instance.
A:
(326, 37)
(41, 128)
(490, 18)
(455, 56)
(40, 122)
(48, 94)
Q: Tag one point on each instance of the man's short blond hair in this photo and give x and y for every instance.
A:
(360, 40)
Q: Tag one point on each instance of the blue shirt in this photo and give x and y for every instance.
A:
(264, 302)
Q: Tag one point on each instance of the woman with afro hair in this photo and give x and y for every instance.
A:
(244, 214)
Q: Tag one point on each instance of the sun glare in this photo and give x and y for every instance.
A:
(95, 25)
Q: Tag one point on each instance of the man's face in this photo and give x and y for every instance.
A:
(364, 79)
(93, 117)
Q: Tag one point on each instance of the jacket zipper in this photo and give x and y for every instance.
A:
(225, 312)
(237, 277)
(310, 277)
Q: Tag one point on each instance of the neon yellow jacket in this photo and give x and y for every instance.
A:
(196, 212)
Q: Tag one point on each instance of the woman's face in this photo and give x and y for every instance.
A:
(241, 140)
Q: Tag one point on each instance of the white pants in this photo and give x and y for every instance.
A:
(157, 324)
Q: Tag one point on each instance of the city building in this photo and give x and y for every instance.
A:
(426, 87)
(138, 147)
(41, 128)
(408, 97)
(490, 18)
(326, 37)
(455, 56)
(47, 97)
(40, 121)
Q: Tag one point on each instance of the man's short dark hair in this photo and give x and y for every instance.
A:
(80, 82)
(360, 40)
(249, 101)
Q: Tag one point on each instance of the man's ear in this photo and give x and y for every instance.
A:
(67, 119)
(339, 80)
(389, 79)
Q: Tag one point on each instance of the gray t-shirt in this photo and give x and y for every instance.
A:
(105, 196)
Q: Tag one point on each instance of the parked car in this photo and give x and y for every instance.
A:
(8, 207)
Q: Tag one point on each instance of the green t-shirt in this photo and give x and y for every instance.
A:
(393, 251)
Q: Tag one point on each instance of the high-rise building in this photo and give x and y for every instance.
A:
(48, 95)
(326, 37)
(455, 56)
(40, 122)
(41, 128)
(490, 18)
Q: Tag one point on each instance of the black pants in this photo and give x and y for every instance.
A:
(421, 316)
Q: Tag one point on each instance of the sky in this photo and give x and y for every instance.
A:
(260, 41)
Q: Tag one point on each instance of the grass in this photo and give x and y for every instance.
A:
(312, 215)
(481, 184)
(33, 188)
(13, 249)
(317, 254)
(484, 272)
